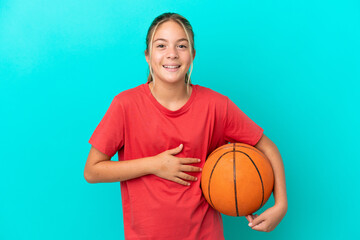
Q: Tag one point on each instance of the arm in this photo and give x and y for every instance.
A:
(270, 218)
(99, 168)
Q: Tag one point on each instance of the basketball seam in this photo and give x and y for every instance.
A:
(234, 170)
(262, 184)
(220, 148)
(243, 145)
(212, 171)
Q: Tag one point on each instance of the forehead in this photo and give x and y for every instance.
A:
(170, 30)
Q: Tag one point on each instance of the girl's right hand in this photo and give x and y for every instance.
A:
(173, 168)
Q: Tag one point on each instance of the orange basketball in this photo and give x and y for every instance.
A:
(237, 179)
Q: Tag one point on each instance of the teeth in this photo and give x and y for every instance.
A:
(171, 66)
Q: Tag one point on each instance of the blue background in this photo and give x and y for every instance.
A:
(292, 66)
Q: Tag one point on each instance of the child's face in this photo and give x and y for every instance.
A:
(170, 57)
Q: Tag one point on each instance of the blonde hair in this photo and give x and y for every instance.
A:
(189, 34)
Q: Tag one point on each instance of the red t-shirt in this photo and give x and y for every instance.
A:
(136, 125)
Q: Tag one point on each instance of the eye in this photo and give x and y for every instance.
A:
(182, 46)
(160, 46)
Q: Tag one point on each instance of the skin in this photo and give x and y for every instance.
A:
(170, 91)
(271, 217)
(170, 48)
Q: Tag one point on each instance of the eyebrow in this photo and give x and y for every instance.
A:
(162, 39)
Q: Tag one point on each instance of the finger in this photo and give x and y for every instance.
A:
(187, 177)
(187, 168)
(249, 218)
(176, 150)
(256, 220)
(261, 227)
(182, 182)
(189, 160)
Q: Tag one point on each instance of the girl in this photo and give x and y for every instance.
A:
(163, 131)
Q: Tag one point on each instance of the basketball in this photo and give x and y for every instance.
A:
(237, 179)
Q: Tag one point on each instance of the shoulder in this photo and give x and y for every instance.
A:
(130, 95)
(210, 95)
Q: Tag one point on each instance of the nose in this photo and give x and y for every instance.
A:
(172, 53)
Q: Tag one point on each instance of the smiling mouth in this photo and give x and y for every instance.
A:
(171, 66)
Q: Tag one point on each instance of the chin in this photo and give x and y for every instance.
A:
(173, 80)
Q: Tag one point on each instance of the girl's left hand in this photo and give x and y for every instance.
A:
(268, 220)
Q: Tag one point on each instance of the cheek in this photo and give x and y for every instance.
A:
(187, 60)
(156, 60)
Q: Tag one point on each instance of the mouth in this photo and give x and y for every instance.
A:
(171, 66)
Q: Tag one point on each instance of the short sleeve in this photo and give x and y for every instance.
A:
(239, 127)
(108, 136)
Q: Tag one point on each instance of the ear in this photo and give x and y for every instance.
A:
(194, 54)
(146, 56)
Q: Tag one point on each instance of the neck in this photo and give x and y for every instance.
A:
(169, 93)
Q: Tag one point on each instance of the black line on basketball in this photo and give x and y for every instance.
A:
(212, 171)
(220, 148)
(262, 184)
(234, 170)
(251, 148)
